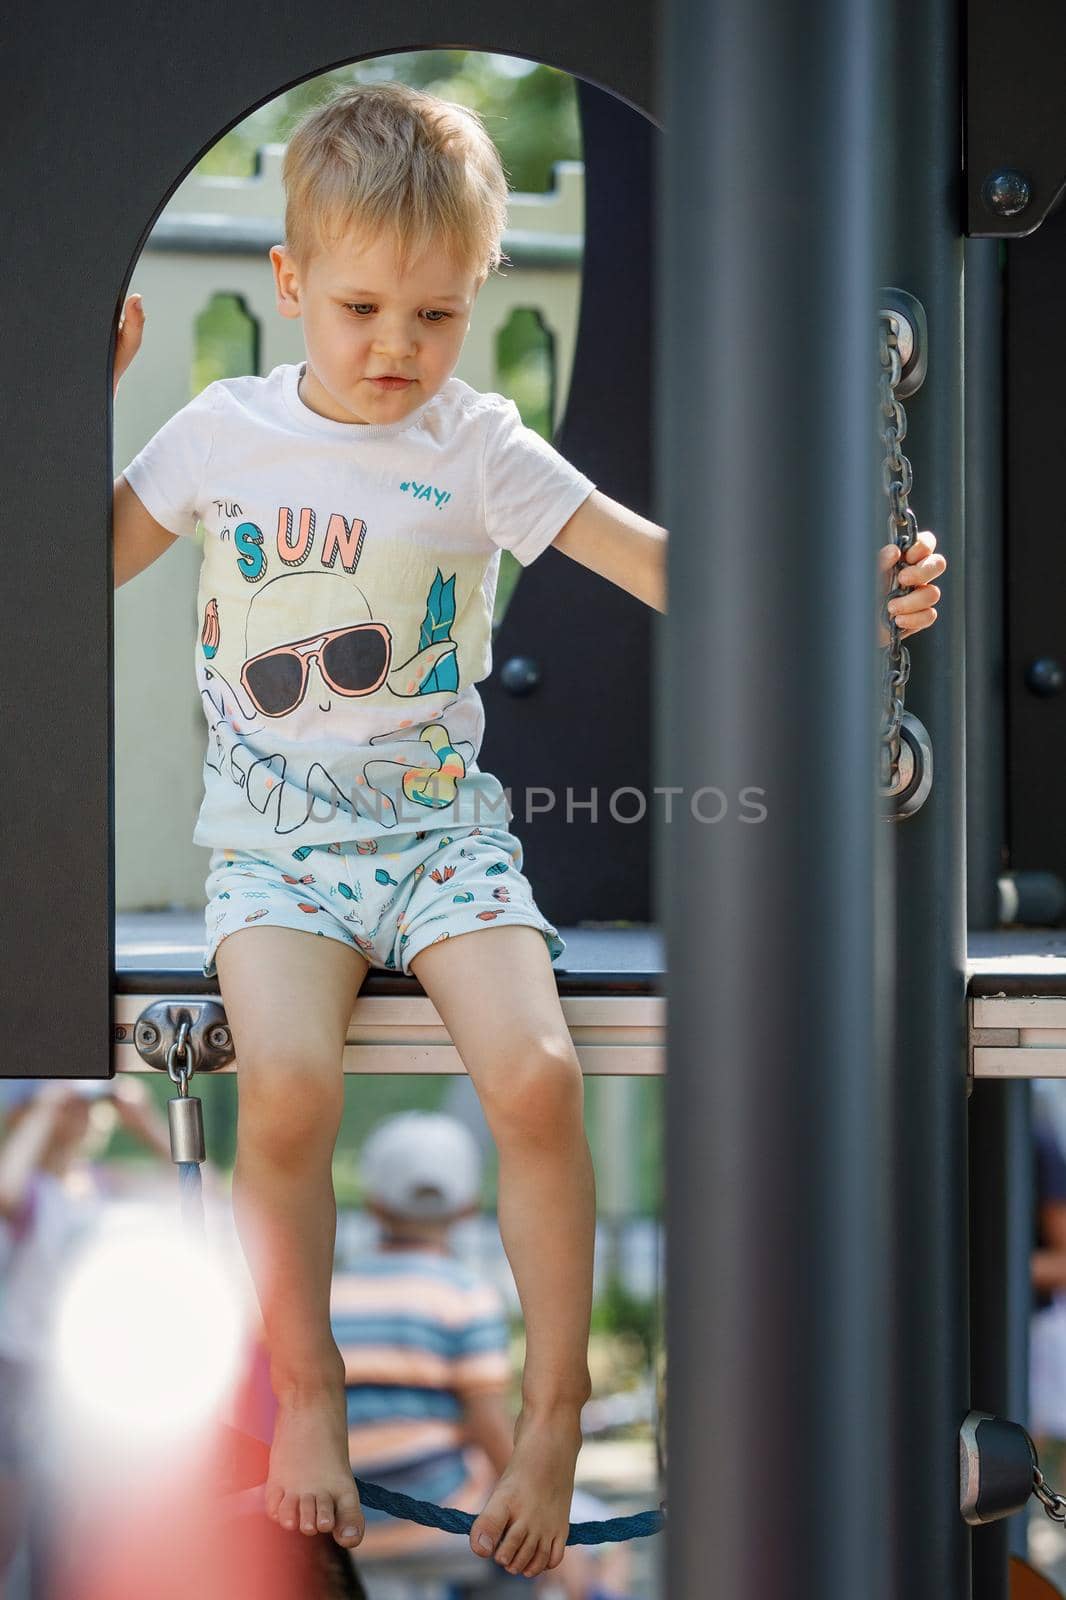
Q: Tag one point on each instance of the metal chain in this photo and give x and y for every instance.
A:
(1054, 1504)
(898, 480)
(181, 1075)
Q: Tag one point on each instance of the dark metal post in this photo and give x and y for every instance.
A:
(986, 830)
(930, 1545)
(766, 683)
(1001, 1223)
(1000, 1148)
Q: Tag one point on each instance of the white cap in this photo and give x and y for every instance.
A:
(421, 1165)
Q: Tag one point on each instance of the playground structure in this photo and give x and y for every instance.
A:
(850, 1028)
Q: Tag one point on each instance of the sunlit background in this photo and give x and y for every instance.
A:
(148, 1337)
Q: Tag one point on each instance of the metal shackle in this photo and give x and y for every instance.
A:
(914, 773)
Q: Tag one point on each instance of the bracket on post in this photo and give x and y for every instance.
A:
(1015, 134)
(912, 333)
(207, 1033)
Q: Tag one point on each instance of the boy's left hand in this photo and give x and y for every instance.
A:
(916, 608)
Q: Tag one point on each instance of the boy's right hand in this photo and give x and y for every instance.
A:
(128, 341)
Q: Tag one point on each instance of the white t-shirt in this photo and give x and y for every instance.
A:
(345, 601)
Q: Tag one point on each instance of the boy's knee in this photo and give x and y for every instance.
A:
(289, 1104)
(537, 1094)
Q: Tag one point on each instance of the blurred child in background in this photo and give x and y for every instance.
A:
(427, 1368)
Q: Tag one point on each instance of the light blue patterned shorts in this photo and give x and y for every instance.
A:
(388, 898)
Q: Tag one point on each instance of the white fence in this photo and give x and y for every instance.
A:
(213, 239)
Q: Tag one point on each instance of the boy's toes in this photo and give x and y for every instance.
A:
(558, 1550)
(274, 1497)
(523, 1556)
(349, 1525)
(307, 1513)
(539, 1561)
(511, 1543)
(325, 1512)
(485, 1535)
(288, 1511)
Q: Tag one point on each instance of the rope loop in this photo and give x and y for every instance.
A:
(613, 1531)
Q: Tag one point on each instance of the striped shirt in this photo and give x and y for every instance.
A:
(420, 1335)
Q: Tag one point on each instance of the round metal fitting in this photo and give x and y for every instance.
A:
(1045, 676)
(196, 1026)
(904, 337)
(914, 776)
(910, 327)
(1006, 193)
(186, 1119)
(520, 675)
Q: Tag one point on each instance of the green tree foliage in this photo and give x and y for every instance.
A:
(530, 110)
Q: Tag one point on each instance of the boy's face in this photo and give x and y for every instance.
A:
(379, 343)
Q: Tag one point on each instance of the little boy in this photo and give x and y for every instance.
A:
(354, 508)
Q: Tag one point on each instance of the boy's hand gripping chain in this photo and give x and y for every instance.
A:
(906, 751)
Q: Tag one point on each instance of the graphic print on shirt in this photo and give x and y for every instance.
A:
(391, 541)
(278, 680)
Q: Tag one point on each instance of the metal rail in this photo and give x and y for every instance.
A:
(615, 1035)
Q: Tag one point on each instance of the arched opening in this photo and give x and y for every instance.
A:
(206, 278)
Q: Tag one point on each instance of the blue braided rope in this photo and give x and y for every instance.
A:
(189, 1185)
(190, 1190)
(613, 1531)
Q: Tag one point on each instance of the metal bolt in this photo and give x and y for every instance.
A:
(1045, 676)
(147, 1034)
(218, 1038)
(520, 675)
(1006, 193)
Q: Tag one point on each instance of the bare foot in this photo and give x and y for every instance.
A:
(310, 1484)
(525, 1524)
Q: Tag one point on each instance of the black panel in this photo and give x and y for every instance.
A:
(1036, 547)
(106, 110)
(586, 728)
(1015, 111)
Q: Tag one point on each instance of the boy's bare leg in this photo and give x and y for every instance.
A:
(288, 997)
(495, 993)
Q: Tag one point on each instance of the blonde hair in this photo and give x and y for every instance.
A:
(389, 158)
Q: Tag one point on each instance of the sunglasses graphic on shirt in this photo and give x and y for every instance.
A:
(353, 661)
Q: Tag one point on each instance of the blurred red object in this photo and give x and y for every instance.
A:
(198, 1530)
(192, 1536)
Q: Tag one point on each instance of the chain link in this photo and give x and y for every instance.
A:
(898, 480)
(1054, 1504)
(180, 1049)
